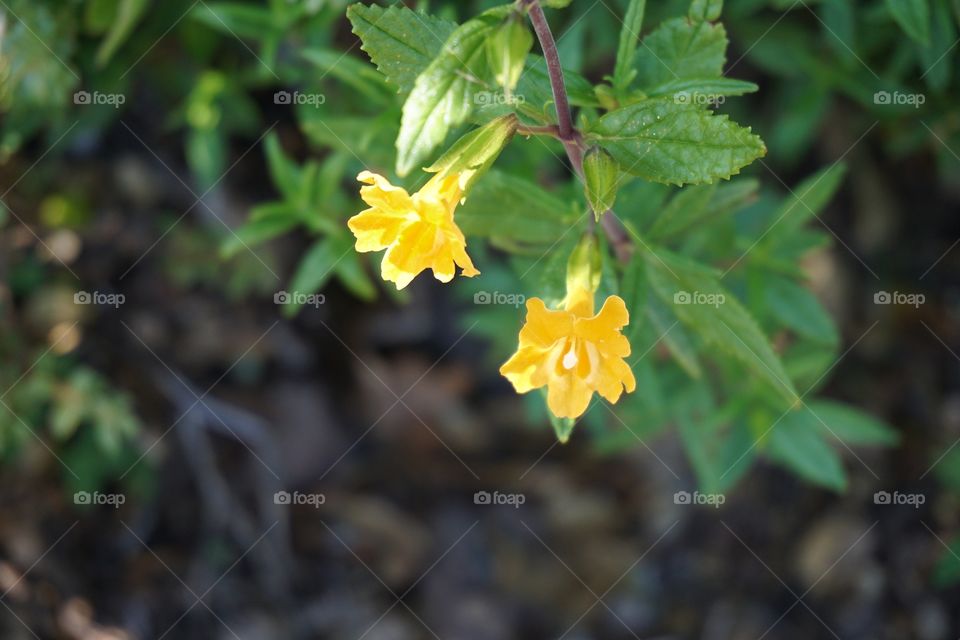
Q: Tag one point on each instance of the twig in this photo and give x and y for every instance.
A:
(552, 56)
(532, 130)
(572, 140)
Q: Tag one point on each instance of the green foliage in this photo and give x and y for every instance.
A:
(663, 140)
(660, 146)
(443, 93)
(85, 419)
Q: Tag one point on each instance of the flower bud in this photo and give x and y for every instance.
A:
(507, 51)
(600, 175)
(584, 267)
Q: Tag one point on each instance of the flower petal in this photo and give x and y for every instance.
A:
(380, 194)
(568, 396)
(376, 229)
(544, 326)
(603, 329)
(410, 254)
(615, 375)
(522, 367)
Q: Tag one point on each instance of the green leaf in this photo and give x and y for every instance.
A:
(666, 328)
(352, 275)
(695, 295)
(284, 172)
(401, 42)
(257, 231)
(315, 269)
(705, 10)
(682, 210)
(623, 71)
(534, 86)
(805, 201)
(442, 95)
(710, 89)
(233, 19)
(635, 292)
(850, 425)
(505, 205)
(798, 309)
(128, 13)
(349, 70)
(681, 50)
(663, 141)
(913, 16)
(800, 447)
(935, 61)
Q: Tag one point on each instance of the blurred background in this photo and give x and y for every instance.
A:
(185, 454)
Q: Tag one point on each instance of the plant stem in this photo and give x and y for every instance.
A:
(532, 130)
(572, 141)
(549, 46)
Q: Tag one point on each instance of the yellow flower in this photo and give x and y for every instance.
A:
(573, 352)
(417, 231)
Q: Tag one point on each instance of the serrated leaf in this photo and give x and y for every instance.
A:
(442, 95)
(802, 448)
(717, 317)
(913, 16)
(401, 42)
(681, 50)
(663, 141)
(705, 10)
(850, 425)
